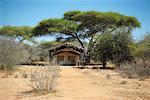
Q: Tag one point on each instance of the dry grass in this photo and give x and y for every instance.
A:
(139, 69)
(44, 80)
(76, 84)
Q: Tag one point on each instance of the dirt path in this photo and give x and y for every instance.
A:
(81, 84)
(78, 86)
(10, 88)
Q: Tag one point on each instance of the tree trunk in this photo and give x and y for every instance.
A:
(104, 65)
(87, 59)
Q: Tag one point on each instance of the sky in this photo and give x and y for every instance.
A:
(31, 12)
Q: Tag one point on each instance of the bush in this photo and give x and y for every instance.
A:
(113, 47)
(138, 69)
(11, 53)
(37, 54)
(44, 80)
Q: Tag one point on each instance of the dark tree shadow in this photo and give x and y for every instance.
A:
(95, 67)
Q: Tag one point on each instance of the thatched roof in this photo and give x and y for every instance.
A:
(66, 45)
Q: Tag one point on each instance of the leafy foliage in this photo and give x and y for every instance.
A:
(144, 47)
(113, 47)
(121, 50)
(83, 23)
(51, 26)
(20, 32)
(103, 49)
(93, 22)
(49, 44)
(78, 26)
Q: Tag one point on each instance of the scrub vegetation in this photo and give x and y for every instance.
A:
(105, 37)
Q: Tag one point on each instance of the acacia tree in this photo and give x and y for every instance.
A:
(76, 25)
(21, 33)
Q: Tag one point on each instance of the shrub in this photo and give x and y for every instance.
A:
(113, 47)
(37, 54)
(138, 69)
(11, 53)
(103, 49)
(44, 80)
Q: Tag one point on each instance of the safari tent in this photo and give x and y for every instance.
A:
(65, 54)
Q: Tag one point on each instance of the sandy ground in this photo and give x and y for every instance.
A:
(79, 84)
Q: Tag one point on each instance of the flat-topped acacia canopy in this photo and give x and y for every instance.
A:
(75, 22)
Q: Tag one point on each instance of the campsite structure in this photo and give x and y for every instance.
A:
(65, 54)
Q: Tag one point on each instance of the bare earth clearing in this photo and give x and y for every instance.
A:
(78, 84)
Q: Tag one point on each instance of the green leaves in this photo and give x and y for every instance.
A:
(121, 50)
(103, 19)
(51, 26)
(48, 45)
(82, 25)
(103, 48)
(77, 25)
(114, 30)
(20, 32)
(143, 48)
(15, 30)
(117, 48)
(71, 14)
